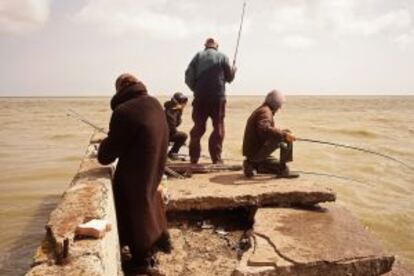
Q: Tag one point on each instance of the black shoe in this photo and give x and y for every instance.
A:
(164, 243)
(248, 169)
(286, 173)
(139, 267)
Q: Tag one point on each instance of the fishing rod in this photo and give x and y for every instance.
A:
(354, 148)
(330, 175)
(239, 34)
(72, 113)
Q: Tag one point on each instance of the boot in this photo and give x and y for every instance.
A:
(286, 173)
(249, 169)
(164, 243)
(139, 267)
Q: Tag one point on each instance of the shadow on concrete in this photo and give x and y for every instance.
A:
(18, 258)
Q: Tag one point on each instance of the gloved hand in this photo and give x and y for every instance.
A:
(289, 137)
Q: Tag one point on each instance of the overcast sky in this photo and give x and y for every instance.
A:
(79, 47)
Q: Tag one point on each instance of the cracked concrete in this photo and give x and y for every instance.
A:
(229, 190)
(88, 196)
(325, 241)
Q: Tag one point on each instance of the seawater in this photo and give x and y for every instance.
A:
(41, 148)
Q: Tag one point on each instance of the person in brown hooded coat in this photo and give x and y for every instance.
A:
(138, 137)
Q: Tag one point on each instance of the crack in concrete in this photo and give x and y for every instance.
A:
(277, 251)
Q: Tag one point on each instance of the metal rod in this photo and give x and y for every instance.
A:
(355, 148)
(239, 34)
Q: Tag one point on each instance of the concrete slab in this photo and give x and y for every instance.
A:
(325, 241)
(228, 190)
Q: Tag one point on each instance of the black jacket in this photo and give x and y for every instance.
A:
(173, 116)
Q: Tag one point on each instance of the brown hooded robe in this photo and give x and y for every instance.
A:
(138, 136)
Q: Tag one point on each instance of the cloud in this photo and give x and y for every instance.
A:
(339, 18)
(22, 16)
(405, 41)
(160, 19)
(297, 41)
(352, 18)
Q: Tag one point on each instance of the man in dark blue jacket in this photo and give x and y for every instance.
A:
(206, 76)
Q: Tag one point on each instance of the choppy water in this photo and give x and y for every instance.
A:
(40, 150)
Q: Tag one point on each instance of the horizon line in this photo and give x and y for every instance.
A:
(231, 95)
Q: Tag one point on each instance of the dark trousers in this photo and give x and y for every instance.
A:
(178, 139)
(202, 110)
(266, 163)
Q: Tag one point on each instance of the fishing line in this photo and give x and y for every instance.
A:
(330, 175)
(355, 148)
(72, 113)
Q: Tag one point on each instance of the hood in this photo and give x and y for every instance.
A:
(128, 93)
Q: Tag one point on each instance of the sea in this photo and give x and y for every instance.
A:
(41, 148)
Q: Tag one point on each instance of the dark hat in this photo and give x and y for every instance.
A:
(180, 98)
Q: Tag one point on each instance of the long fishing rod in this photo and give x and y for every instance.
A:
(355, 148)
(330, 175)
(239, 34)
(72, 113)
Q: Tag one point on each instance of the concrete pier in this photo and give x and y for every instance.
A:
(88, 196)
(297, 229)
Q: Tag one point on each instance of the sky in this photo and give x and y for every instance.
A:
(79, 47)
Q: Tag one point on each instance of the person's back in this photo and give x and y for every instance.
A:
(258, 130)
(208, 73)
(206, 76)
(138, 136)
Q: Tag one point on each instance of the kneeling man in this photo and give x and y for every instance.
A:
(262, 138)
(173, 112)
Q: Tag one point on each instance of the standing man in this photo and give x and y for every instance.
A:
(206, 76)
(262, 138)
(138, 137)
(173, 111)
